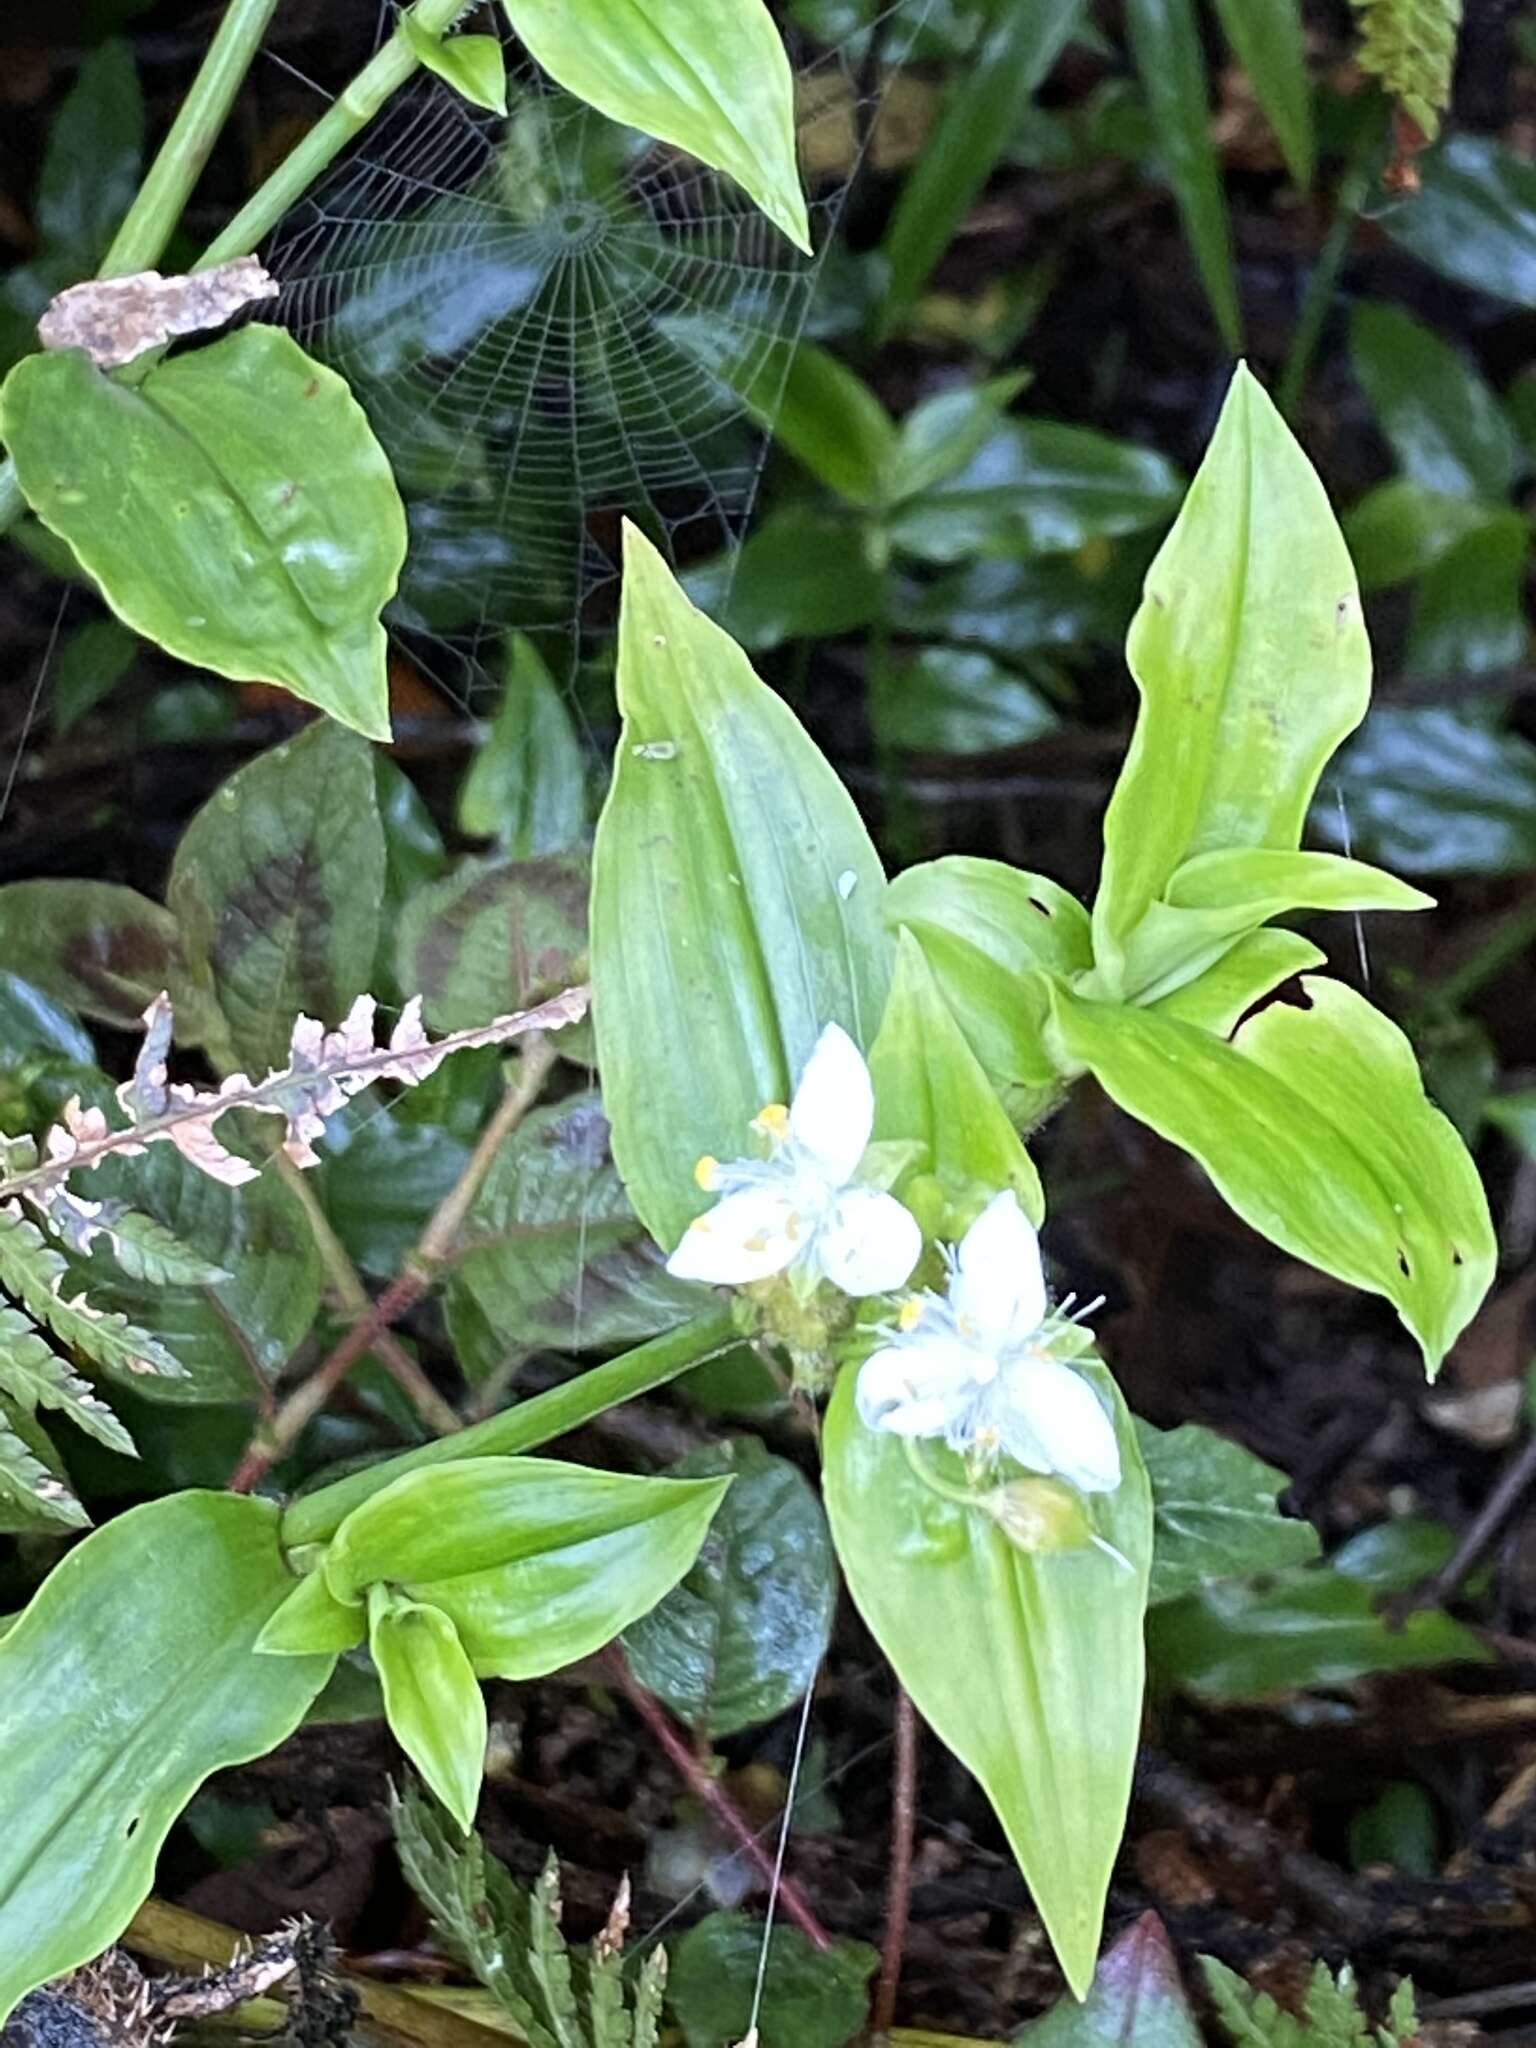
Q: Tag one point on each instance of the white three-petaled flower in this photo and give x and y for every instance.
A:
(802, 1206)
(975, 1365)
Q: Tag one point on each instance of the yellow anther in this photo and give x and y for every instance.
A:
(910, 1314)
(772, 1120)
(707, 1173)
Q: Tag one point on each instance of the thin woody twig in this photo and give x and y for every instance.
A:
(898, 1888)
(433, 1250)
(712, 1795)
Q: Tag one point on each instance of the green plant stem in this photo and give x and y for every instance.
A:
(344, 119)
(432, 1251)
(1323, 282)
(315, 1517)
(158, 204)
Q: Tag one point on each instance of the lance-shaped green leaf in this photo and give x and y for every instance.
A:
(1217, 898)
(1267, 37)
(234, 507)
(431, 1696)
(129, 1678)
(736, 901)
(986, 103)
(1315, 1126)
(1249, 970)
(988, 931)
(1165, 38)
(1027, 1663)
(1252, 661)
(536, 1562)
(710, 76)
(473, 65)
(931, 1089)
(527, 783)
(277, 886)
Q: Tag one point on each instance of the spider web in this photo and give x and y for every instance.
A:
(552, 321)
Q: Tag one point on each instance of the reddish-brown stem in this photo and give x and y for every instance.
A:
(898, 1887)
(306, 1401)
(433, 1250)
(709, 1791)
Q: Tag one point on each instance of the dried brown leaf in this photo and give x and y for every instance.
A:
(115, 319)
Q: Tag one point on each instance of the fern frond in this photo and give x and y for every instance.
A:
(33, 1273)
(325, 1069)
(34, 1376)
(31, 1496)
(1410, 46)
(556, 1996)
(1331, 2014)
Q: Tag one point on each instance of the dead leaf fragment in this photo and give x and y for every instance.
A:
(115, 319)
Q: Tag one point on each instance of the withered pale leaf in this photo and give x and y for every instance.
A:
(115, 319)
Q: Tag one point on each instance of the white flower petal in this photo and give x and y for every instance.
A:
(833, 1112)
(868, 1243)
(916, 1389)
(748, 1235)
(1053, 1421)
(999, 1287)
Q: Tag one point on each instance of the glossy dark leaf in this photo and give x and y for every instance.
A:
(1308, 1626)
(1447, 430)
(1468, 613)
(1214, 1511)
(1399, 529)
(104, 950)
(495, 936)
(555, 1255)
(90, 665)
(1433, 790)
(954, 700)
(811, 1998)
(1038, 487)
(277, 888)
(1137, 2000)
(739, 1640)
(1165, 40)
(92, 164)
(1470, 219)
(804, 573)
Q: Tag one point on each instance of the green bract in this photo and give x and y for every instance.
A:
(535, 1562)
(234, 507)
(431, 1696)
(1027, 1663)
